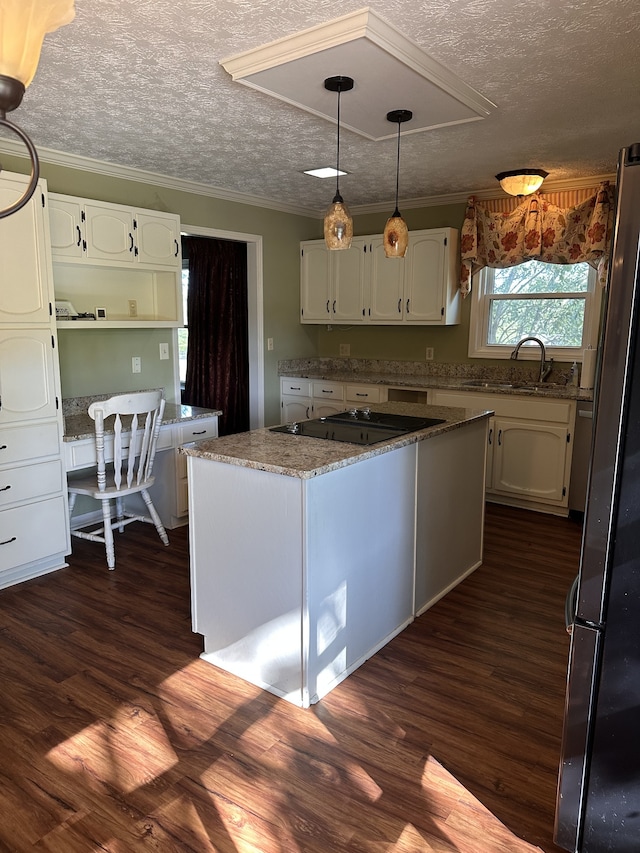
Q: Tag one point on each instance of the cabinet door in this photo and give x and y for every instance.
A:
(109, 233)
(386, 281)
(27, 376)
(157, 239)
(295, 409)
(529, 459)
(322, 409)
(424, 286)
(67, 229)
(347, 303)
(315, 282)
(24, 275)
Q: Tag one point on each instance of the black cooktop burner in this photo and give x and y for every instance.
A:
(358, 426)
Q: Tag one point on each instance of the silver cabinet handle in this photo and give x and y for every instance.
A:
(201, 432)
(325, 391)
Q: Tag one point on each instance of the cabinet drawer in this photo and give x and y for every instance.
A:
(295, 387)
(364, 393)
(328, 390)
(19, 545)
(18, 444)
(30, 481)
(198, 430)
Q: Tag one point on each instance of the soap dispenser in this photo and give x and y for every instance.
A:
(574, 379)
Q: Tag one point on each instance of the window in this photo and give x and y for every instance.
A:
(560, 304)
(183, 334)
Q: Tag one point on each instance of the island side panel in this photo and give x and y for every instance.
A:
(246, 558)
(360, 540)
(450, 510)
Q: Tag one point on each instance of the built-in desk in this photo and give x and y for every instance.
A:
(180, 425)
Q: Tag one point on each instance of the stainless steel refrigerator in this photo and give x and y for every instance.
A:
(598, 804)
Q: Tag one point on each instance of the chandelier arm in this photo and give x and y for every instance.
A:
(35, 168)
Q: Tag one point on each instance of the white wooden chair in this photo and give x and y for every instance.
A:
(134, 448)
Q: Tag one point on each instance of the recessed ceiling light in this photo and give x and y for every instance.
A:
(326, 172)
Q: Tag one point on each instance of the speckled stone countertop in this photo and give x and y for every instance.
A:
(515, 377)
(304, 457)
(78, 425)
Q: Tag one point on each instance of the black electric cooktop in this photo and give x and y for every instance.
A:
(358, 426)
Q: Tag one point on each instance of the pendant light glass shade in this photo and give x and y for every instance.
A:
(521, 181)
(396, 234)
(338, 224)
(23, 26)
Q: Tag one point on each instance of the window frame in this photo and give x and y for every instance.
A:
(479, 320)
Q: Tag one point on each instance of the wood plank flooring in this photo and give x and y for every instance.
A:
(115, 736)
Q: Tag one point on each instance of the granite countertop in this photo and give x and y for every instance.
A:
(304, 457)
(78, 425)
(512, 379)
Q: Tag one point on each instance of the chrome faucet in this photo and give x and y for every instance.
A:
(545, 366)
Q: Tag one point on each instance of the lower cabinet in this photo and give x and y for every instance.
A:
(529, 450)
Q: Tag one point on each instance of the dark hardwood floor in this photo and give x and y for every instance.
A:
(115, 736)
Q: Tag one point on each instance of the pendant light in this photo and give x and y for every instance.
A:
(23, 26)
(521, 181)
(396, 233)
(338, 224)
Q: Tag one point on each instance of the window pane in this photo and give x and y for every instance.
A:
(183, 335)
(538, 277)
(557, 322)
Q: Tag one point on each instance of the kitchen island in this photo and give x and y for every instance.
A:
(307, 556)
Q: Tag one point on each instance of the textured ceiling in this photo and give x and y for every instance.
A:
(139, 84)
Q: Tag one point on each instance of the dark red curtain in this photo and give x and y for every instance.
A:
(217, 316)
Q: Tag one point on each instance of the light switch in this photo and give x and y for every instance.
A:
(136, 364)
(164, 352)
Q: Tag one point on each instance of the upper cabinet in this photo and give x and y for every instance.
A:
(361, 284)
(125, 261)
(25, 278)
(332, 283)
(93, 232)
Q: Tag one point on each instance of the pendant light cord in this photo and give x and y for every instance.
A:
(338, 196)
(396, 212)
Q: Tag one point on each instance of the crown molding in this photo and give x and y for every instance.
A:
(111, 170)
(564, 185)
(100, 167)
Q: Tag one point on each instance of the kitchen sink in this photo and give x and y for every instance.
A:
(539, 386)
(481, 383)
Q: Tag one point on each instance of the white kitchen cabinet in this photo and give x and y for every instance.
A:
(361, 285)
(301, 399)
(123, 260)
(363, 395)
(32, 479)
(98, 232)
(24, 259)
(530, 447)
(529, 460)
(331, 282)
(28, 388)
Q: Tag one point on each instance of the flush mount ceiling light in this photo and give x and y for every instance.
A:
(23, 26)
(396, 233)
(338, 224)
(521, 181)
(324, 172)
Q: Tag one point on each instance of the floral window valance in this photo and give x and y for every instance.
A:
(537, 229)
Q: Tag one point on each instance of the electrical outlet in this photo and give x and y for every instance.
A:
(133, 308)
(269, 343)
(136, 364)
(429, 354)
(345, 349)
(164, 352)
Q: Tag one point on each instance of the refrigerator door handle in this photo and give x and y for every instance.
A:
(570, 605)
(576, 737)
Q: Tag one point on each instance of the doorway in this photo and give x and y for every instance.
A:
(255, 319)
